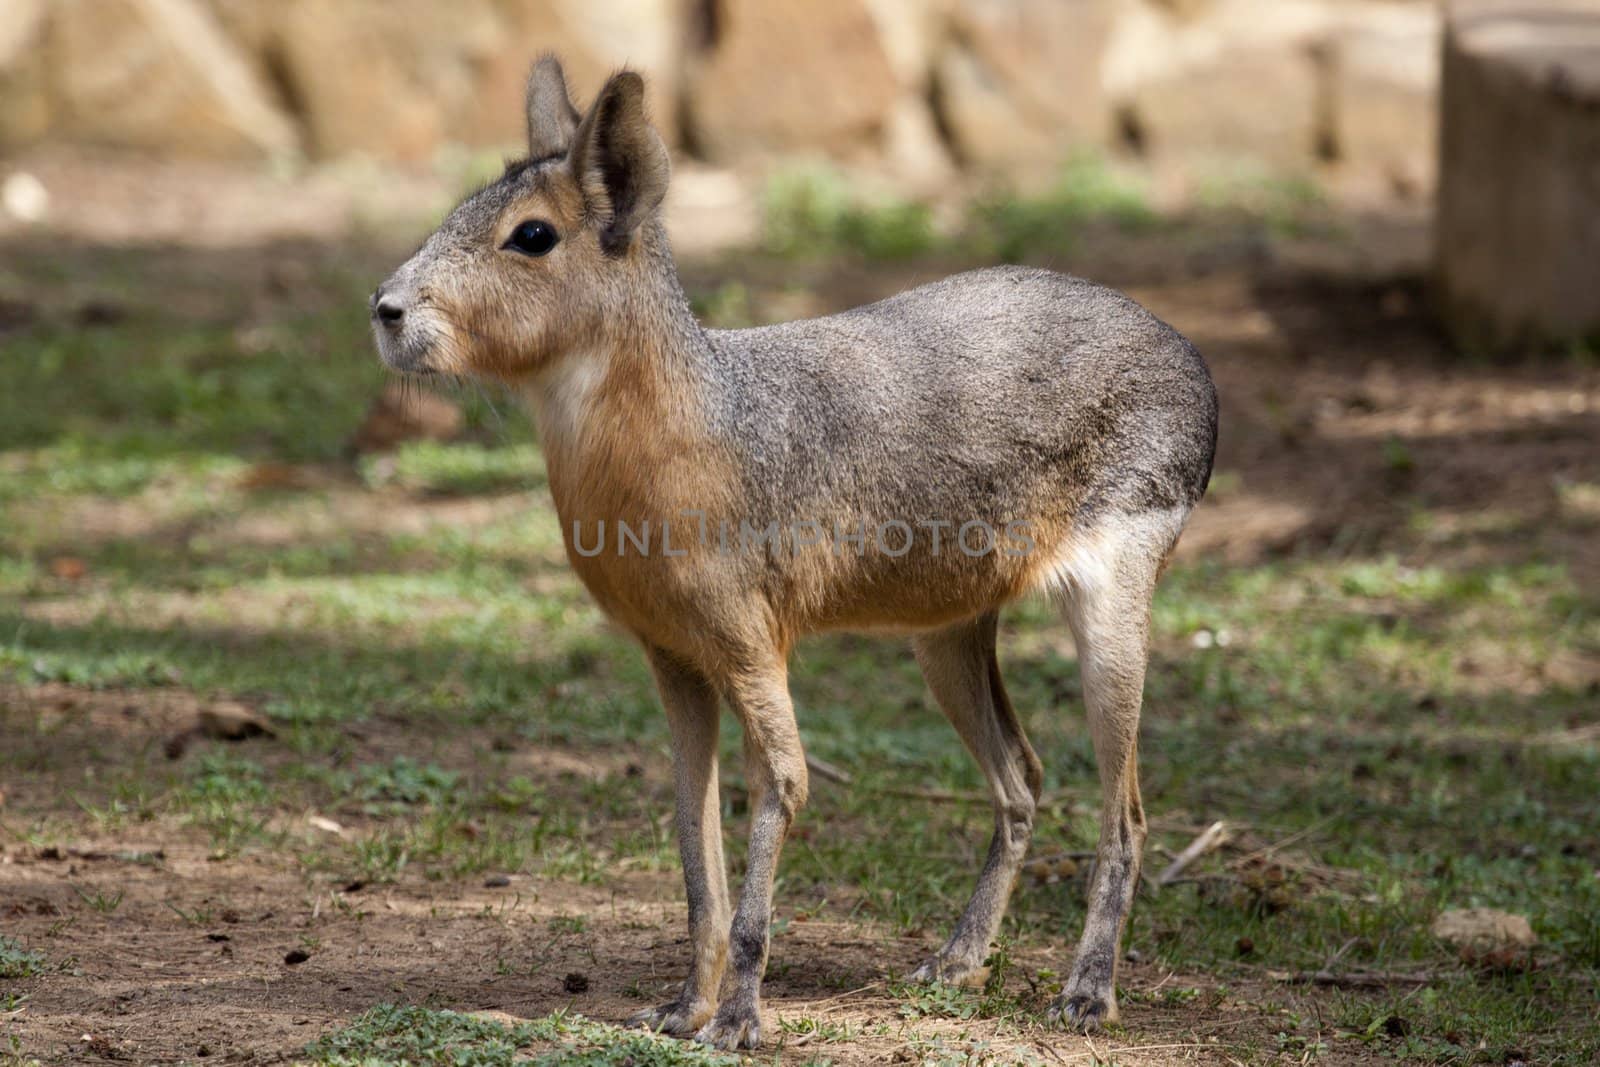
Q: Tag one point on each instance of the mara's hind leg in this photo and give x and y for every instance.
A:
(960, 666)
(1108, 583)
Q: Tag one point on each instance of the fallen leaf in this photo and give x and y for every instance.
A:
(68, 568)
(230, 721)
(400, 414)
(273, 475)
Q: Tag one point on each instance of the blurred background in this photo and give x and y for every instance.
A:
(274, 630)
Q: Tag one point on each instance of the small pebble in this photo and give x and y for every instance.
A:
(497, 881)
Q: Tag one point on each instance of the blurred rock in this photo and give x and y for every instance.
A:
(1384, 67)
(1486, 936)
(772, 78)
(593, 41)
(24, 104)
(1199, 117)
(158, 75)
(918, 86)
(396, 79)
(228, 720)
(1235, 82)
(1018, 83)
(912, 33)
(406, 413)
(1518, 226)
(24, 197)
(382, 77)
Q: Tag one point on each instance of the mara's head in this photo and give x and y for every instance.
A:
(536, 263)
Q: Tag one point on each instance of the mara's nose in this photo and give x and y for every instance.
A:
(387, 309)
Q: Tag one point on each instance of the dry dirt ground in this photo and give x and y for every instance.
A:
(1345, 418)
(193, 963)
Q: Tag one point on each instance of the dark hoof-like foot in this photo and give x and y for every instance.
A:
(1083, 1012)
(677, 1018)
(953, 970)
(735, 1026)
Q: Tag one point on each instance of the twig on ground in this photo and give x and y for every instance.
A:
(1357, 979)
(1276, 846)
(1208, 839)
(823, 769)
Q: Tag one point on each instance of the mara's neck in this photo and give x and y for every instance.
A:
(624, 420)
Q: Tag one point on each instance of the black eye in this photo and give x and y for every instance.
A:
(533, 238)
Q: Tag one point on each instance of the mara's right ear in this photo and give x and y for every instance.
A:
(551, 117)
(619, 161)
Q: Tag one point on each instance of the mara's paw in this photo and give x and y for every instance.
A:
(1084, 1011)
(679, 1018)
(953, 969)
(735, 1026)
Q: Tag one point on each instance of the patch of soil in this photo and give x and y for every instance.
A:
(159, 951)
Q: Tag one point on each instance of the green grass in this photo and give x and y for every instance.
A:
(391, 1034)
(18, 962)
(1387, 716)
(1011, 227)
(814, 212)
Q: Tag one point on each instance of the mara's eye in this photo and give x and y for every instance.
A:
(533, 238)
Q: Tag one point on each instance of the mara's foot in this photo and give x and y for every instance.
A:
(953, 968)
(679, 1018)
(736, 1025)
(1084, 1009)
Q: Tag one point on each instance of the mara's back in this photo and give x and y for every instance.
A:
(999, 394)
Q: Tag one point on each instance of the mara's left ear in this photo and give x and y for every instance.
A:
(551, 116)
(619, 161)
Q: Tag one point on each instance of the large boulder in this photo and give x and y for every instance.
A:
(1383, 96)
(396, 79)
(1223, 82)
(24, 102)
(593, 40)
(774, 78)
(158, 75)
(1018, 83)
(382, 77)
(1518, 226)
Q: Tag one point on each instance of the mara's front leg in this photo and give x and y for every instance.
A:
(691, 705)
(776, 768)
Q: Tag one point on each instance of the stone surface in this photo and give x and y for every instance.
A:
(156, 75)
(1018, 82)
(1230, 82)
(1198, 115)
(1518, 226)
(773, 78)
(24, 103)
(593, 40)
(383, 77)
(1484, 930)
(1383, 97)
(397, 79)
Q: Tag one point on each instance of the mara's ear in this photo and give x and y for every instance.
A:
(619, 161)
(551, 117)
